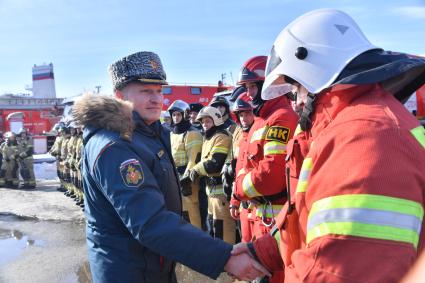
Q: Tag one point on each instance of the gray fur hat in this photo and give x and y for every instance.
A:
(144, 67)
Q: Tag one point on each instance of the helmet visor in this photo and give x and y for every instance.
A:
(272, 62)
(276, 90)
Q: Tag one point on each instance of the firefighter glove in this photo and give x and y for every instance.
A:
(186, 185)
(193, 175)
(228, 178)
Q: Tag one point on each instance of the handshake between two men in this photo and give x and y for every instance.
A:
(242, 265)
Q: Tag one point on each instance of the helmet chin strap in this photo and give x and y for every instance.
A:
(305, 117)
(292, 96)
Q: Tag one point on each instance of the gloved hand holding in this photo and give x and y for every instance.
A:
(227, 179)
(22, 155)
(186, 185)
(193, 175)
(231, 169)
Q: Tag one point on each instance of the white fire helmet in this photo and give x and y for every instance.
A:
(313, 50)
(213, 113)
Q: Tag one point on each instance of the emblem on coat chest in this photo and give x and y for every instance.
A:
(131, 173)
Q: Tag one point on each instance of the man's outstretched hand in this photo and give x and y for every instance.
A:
(240, 249)
(242, 266)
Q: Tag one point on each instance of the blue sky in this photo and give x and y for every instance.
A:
(196, 40)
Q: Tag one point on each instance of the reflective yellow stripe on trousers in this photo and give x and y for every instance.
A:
(267, 210)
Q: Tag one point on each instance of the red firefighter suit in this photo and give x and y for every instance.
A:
(262, 177)
(356, 212)
(240, 148)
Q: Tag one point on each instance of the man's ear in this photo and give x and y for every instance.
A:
(119, 94)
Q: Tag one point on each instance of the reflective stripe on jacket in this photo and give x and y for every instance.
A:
(359, 200)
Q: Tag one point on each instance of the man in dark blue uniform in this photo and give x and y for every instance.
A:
(135, 231)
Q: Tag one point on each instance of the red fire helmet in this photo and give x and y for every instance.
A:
(253, 70)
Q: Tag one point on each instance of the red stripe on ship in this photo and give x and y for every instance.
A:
(42, 77)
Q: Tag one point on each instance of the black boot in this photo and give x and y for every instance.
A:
(218, 228)
(210, 223)
(24, 187)
(61, 189)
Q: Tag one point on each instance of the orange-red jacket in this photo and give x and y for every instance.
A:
(360, 194)
(239, 152)
(263, 171)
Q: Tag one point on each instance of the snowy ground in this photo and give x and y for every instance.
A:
(45, 167)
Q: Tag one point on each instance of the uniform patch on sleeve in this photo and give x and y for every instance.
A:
(277, 133)
(131, 173)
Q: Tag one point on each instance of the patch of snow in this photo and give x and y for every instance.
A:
(45, 171)
(46, 157)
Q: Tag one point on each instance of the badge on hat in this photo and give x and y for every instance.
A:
(144, 67)
(131, 173)
(154, 64)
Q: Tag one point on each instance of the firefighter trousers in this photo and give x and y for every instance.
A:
(222, 225)
(246, 222)
(191, 207)
(9, 173)
(27, 171)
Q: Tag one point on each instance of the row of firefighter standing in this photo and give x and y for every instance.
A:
(239, 165)
(16, 157)
(68, 152)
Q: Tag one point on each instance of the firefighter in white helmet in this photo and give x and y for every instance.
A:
(186, 146)
(221, 103)
(216, 146)
(355, 167)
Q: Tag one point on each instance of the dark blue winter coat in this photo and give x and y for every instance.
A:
(135, 231)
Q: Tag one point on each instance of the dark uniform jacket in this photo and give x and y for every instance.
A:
(132, 202)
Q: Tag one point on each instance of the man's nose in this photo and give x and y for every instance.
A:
(156, 98)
